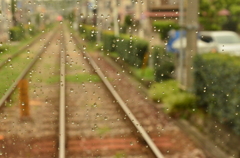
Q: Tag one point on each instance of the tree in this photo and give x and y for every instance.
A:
(210, 18)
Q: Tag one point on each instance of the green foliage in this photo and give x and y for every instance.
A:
(180, 103)
(89, 32)
(146, 74)
(163, 63)
(30, 30)
(71, 16)
(109, 41)
(37, 19)
(132, 50)
(210, 18)
(176, 102)
(159, 91)
(165, 27)
(3, 48)
(17, 33)
(217, 84)
(20, 32)
(128, 20)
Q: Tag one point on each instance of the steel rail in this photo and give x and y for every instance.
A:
(125, 108)
(26, 70)
(25, 47)
(62, 110)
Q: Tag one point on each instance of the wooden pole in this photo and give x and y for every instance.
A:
(23, 98)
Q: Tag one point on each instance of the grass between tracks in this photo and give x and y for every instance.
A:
(77, 78)
(13, 47)
(12, 70)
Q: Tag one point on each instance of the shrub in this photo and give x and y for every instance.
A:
(140, 48)
(89, 32)
(163, 63)
(176, 102)
(124, 46)
(180, 103)
(17, 33)
(217, 84)
(109, 41)
(158, 91)
(146, 74)
(165, 27)
(3, 48)
(132, 50)
(30, 30)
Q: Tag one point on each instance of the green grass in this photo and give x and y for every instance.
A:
(11, 71)
(78, 78)
(146, 74)
(103, 130)
(73, 66)
(13, 48)
(120, 155)
(53, 79)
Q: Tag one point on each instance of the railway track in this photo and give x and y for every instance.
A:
(74, 115)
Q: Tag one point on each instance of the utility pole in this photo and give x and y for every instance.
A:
(13, 7)
(191, 49)
(181, 52)
(115, 18)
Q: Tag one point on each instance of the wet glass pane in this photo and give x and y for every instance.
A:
(119, 78)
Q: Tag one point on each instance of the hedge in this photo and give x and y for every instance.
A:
(3, 48)
(89, 32)
(109, 41)
(165, 27)
(217, 82)
(163, 63)
(16, 33)
(131, 49)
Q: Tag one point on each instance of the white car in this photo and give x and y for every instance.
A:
(214, 41)
(224, 41)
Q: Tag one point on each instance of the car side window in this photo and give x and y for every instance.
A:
(207, 39)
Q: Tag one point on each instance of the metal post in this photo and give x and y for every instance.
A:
(141, 29)
(98, 21)
(23, 97)
(191, 49)
(181, 52)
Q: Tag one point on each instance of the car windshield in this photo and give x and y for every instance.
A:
(227, 39)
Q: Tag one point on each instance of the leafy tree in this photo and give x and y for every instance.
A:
(211, 20)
